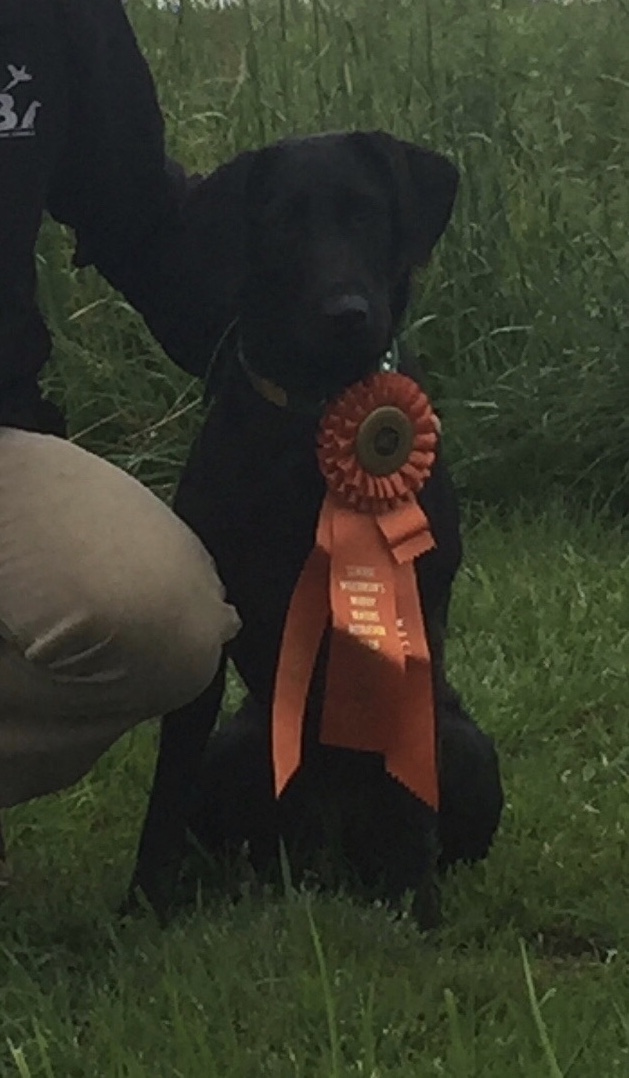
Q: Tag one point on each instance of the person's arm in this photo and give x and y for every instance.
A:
(81, 135)
(32, 118)
(114, 185)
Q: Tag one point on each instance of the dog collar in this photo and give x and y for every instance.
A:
(278, 396)
(273, 393)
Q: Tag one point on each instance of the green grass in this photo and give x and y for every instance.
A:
(309, 986)
(524, 325)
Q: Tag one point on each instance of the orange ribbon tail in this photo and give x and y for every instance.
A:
(379, 687)
(305, 625)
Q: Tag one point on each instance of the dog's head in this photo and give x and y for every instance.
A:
(328, 231)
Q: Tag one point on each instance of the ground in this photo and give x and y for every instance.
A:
(306, 986)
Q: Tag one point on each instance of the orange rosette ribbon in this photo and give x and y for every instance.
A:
(376, 447)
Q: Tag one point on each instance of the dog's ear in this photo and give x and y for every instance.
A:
(204, 266)
(424, 185)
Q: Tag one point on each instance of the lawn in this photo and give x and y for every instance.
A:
(308, 986)
(524, 324)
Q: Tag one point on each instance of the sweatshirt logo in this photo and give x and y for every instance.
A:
(17, 117)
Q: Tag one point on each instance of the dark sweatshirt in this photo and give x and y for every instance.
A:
(82, 137)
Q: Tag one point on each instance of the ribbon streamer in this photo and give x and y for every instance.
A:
(360, 575)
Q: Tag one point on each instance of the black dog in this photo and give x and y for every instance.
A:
(311, 246)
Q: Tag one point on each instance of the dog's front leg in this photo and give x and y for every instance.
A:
(470, 784)
(236, 803)
(183, 738)
(411, 861)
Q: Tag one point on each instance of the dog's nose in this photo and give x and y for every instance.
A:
(347, 313)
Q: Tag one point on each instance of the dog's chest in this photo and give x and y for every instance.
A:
(252, 491)
(263, 492)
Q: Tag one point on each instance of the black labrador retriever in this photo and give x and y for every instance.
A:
(311, 247)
